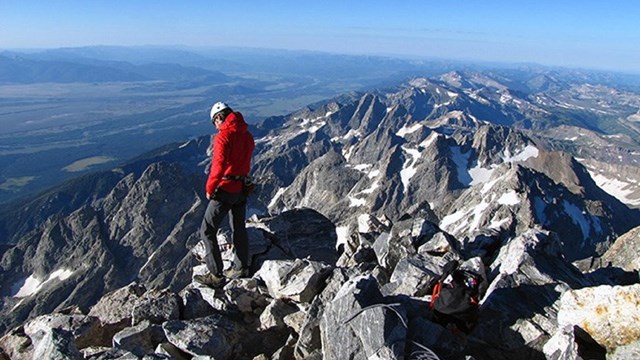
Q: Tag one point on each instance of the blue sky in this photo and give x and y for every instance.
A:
(587, 33)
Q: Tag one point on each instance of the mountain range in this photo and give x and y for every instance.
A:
(534, 182)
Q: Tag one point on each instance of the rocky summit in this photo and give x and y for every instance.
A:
(362, 202)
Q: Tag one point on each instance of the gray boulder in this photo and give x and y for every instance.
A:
(156, 306)
(56, 344)
(357, 324)
(609, 314)
(274, 314)
(214, 336)
(85, 330)
(116, 307)
(309, 338)
(298, 280)
(624, 252)
(298, 234)
(412, 275)
(17, 345)
(139, 339)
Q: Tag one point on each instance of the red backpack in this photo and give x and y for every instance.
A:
(455, 297)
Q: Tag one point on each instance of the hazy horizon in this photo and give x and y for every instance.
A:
(583, 34)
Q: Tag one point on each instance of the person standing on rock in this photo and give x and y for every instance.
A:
(230, 165)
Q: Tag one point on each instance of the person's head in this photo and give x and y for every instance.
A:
(219, 112)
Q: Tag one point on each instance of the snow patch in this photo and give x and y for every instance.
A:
(32, 284)
(347, 152)
(405, 130)
(276, 197)
(509, 198)
(408, 169)
(362, 167)
(480, 175)
(315, 127)
(363, 223)
(496, 224)
(577, 217)
(355, 202)
(343, 236)
(621, 190)
(478, 211)
(429, 140)
(373, 173)
(461, 160)
(371, 188)
(452, 218)
(529, 151)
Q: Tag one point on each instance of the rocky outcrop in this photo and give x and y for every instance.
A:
(534, 304)
(624, 252)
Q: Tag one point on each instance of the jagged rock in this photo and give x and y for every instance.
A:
(312, 188)
(56, 344)
(440, 244)
(139, 339)
(357, 324)
(295, 320)
(562, 345)
(171, 351)
(274, 314)
(214, 335)
(85, 330)
(298, 234)
(629, 351)
(610, 315)
(109, 354)
(370, 224)
(309, 339)
(245, 295)
(194, 304)
(571, 342)
(425, 338)
(390, 248)
(624, 252)
(413, 275)
(17, 345)
(285, 352)
(298, 280)
(482, 243)
(156, 306)
(518, 311)
(116, 307)
(213, 297)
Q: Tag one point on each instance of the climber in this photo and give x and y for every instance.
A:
(230, 164)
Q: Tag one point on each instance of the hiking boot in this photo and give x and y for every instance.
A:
(210, 280)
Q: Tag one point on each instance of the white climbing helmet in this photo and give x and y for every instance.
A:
(217, 107)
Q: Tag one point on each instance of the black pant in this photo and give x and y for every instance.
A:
(218, 207)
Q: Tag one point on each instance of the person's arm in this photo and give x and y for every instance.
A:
(217, 165)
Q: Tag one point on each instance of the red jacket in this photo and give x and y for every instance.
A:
(232, 150)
